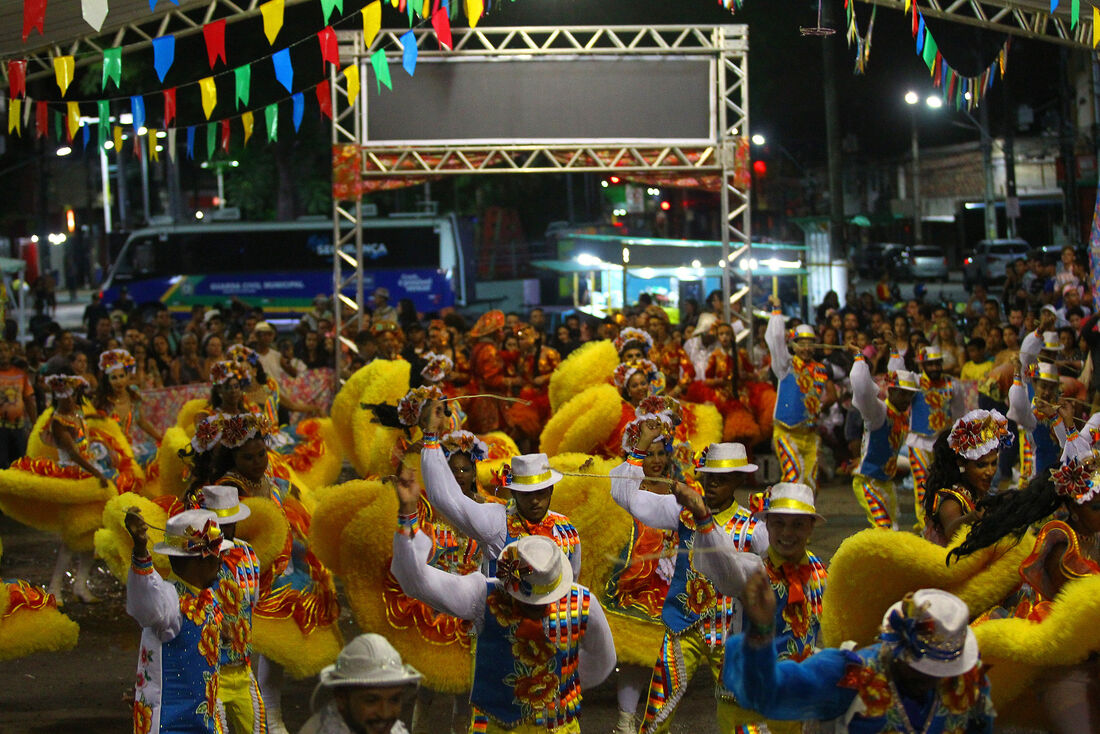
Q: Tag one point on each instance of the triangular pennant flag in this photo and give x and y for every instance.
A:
(272, 11)
(41, 119)
(1075, 13)
(372, 21)
(34, 17)
(27, 105)
(112, 65)
(116, 135)
(351, 74)
(284, 72)
(442, 25)
(72, 122)
(271, 116)
(209, 95)
(103, 110)
(169, 106)
(15, 116)
(1053, 6)
(907, 2)
(211, 139)
(381, 69)
(920, 37)
(298, 105)
(137, 111)
(214, 35)
(243, 77)
(410, 12)
(1095, 26)
(17, 78)
(930, 51)
(94, 12)
(172, 145)
(85, 135)
(63, 68)
(164, 55)
(409, 51)
(474, 9)
(191, 143)
(246, 123)
(330, 49)
(154, 154)
(324, 99)
(226, 132)
(327, 6)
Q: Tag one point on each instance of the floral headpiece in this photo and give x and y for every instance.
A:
(240, 353)
(225, 370)
(436, 368)
(63, 386)
(208, 434)
(207, 542)
(408, 409)
(911, 634)
(664, 407)
(513, 571)
(634, 428)
(116, 359)
(654, 377)
(979, 432)
(502, 477)
(633, 334)
(464, 442)
(239, 428)
(1077, 478)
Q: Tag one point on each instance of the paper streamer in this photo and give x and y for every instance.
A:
(298, 104)
(246, 123)
(271, 117)
(137, 111)
(381, 69)
(63, 68)
(214, 35)
(164, 55)
(191, 143)
(284, 72)
(409, 52)
(272, 12)
(34, 17)
(441, 22)
(324, 98)
(17, 78)
(209, 95)
(242, 76)
(112, 65)
(351, 74)
(330, 49)
(169, 106)
(94, 12)
(372, 22)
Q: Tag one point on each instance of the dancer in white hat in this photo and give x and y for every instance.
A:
(922, 676)
(1035, 404)
(366, 688)
(718, 546)
(541, 639)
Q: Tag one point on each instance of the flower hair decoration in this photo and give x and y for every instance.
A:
(63, 386)
(240, 353)
(436, 367)
(512, 570)
(911, 638)
(654, 377)
(634, 429)
(503, 476)
(410, 406)
(116, 359)
(979, 432)
(663, 406)
(225, 370)
(633, 334)
(1077, 477)
(208, 434)
(207, 541)
(464, 442)
(242, 427)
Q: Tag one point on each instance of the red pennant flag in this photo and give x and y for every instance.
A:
(225, 135)
(214, 34)
(914, 20)
(169, 106)
(17, 78)
(442, 25)
(330, 50)
(68, 130)
(324, 99)
(34, 16)
(41, 119)
(137, 146)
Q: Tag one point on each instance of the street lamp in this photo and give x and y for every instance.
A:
(758, 139)
(913, 99)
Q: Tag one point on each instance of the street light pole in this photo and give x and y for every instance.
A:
(918, 240)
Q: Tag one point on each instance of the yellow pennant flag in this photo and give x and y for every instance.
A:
(426, 11)
(1095, 26)
(209, 95)
(63, 70)
(154, 154)
(395, 3)
(15, 116)
(246, 123)
(272, 11)
(474, 9)
(907, 4)
(372, 21)
(352, 75)
(117, 132)
(73, 118)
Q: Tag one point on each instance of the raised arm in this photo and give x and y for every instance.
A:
(1019, 406)
(776, 338)
(150, 600)
(865, 395)
(655, 510)
(597, 654)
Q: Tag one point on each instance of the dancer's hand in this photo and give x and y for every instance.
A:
(139, 532)
(649, 432)
(759, 601)
(406, 488)
(433, 417)
(691, 500)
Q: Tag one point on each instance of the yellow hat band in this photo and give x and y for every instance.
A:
(224, 512)
(788, 503)
(546, 588)
(533, 479)
(726, 463)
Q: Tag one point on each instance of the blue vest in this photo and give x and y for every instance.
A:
(881, 446)
(796, 638)
(535, 680)
(790, 405)
(189, 668)
(926, 419)
(692, 599)
(1048, 451)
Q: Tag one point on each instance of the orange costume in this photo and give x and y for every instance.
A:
(486, 363)
(674, 362)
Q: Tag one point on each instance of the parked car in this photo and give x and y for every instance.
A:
(879, 256)
(927, 261)
(991, 257)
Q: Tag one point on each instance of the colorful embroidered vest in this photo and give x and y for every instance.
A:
(957, 699)
(797, 625)
(799, 394)
(542, 688)
(189, 665)
(452, 551)
(931, 411)
(692, 599)
(555, 526)
(238, 581)
(881, 446)
(1046, 448)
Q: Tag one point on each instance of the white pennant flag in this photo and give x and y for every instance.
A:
(172, 143)
(94, 12)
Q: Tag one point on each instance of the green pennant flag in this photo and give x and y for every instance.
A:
(211, 139)
(243, 76)
(411, 12)
(104, 110)
(112, 65)
(1075, 13)
(327, 6)
(271, 115)
(930, 50)
(381, 69)
(58, 126)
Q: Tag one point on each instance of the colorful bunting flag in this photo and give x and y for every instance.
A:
(226, 132)
(1075, 13)
(63, 68)
(209, 95)
(137, 112)
(330, 49)
(116, 135)
(214, 35)
(351, 74)
(94, 12)
(172, 144)
(284, 72)
(474, 11)
(271, 116)
(169, 106)
(154, 154)
(211, 139)
(442, 25)
(243, 79)
(381, 69)
(246, 123)
(41, 119)
(73, 118)
(409, 51)
(272, 12)
(164, 54)
(372, 22)
(930, 51)
(324, 98)
(15, 116)
(1095, 26)
(298, 105)
(34, 17)
(327, 6)
(17, 78)
(191, 143)
(85, 135)
(112, 65)
(103, 111)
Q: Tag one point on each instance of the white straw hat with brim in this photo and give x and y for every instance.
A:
(706, 320)
(941, 643)
(263, 326)
(790, 498)
(532, 472)
(534, 570)
(368, 661)
(803, 331)
(225, 503)
(187, 532)
(1051, 341)
(930, 354)
(722, 458)
(904, 380)
(1046, 371)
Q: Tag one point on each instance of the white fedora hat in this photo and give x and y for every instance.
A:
(931, 354)
(531, 472)
(941, 643)
(1051, 341)
(192, 533)
(803, 331)
(1047, 371)
(368, 660)
(789, 498)
(534, 570)
(905, 380)
(225, 503)
(720, 458)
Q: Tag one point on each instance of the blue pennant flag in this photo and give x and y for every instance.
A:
(284, 72)
(299, 103)
(137, 111)
(191, 143)
(920, 35)
(164, 54)
(408, 58)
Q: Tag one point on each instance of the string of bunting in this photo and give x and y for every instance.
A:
(862, 40)
(68, 123)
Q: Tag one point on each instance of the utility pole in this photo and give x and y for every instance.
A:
(1067, 141)
(837, 245)
(1012, 201)
(989, 205)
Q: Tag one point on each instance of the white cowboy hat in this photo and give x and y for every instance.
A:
(534, 570)
(803, 331)
(225, 503)
(930, 354)
(370, 661)
(722, 458)
(789, 498)
(949, 647)
(1051, 342)
(1047, 371)
(187, 533)
(905, 380)
(532, 472)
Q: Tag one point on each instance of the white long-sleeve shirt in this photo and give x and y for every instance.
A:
(718, 559)
(865, 396)
(776, 338)
(464, 597)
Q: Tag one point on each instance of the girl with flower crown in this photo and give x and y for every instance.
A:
(118, 399)
(964, 461)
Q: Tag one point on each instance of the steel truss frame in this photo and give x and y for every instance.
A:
(727, 44)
